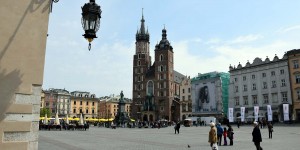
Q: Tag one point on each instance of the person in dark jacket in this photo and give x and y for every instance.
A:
(270, 128)
(256, 136)
(230, 134)
(177, 127)
(219, 133)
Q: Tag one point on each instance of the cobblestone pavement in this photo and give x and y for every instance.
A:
(284, 138)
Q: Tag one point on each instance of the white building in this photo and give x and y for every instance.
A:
(260, 84)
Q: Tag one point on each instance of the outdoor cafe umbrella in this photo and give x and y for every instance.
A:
(45, 119)
(81, 120)
(56, 119)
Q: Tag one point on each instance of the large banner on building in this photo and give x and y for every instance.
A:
(286, 112)
(256, 110)
(270, 113)
(230, 114)
(242, 114)
(205, 97)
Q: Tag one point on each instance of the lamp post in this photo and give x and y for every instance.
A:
(91, 14)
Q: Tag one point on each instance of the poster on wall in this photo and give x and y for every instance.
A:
(205, 97)
(286, 112)
(270, 116)
(256, 110)
(230, 114)
(242, 114)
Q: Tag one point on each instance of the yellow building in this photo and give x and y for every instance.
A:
(84, 103)
(294, 70)
(108, 106)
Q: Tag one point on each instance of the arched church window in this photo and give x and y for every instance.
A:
(161, 57)
(150, 87)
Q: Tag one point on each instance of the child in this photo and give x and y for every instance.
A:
(225, 136)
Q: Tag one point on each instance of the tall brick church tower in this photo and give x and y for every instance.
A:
(153, 91)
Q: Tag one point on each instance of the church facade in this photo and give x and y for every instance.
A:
(156, 88)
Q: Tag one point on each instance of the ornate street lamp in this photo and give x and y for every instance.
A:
(91, 14)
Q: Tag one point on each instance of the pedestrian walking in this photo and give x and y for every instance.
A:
(230, 135)
(212, 136)
(177, 127)
(256, 136)
(219, 133)
(270, 128)
(225, 136)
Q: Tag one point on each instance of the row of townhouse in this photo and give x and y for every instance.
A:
(76, 103)
(267, 82)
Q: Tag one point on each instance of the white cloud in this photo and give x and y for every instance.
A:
(190, 64)
(247, 38)
(288, 29)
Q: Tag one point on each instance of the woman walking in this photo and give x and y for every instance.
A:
(212, 136)
(270, 128)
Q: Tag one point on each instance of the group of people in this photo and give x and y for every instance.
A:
(216, 133)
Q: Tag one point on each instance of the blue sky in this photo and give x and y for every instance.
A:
(207, 35)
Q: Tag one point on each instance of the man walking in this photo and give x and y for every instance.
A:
(219, 133)
(256, 136)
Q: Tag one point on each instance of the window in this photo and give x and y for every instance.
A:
(273, 73)
(237, 102)
(284, 97)
(235, 79)
(253, 87)
(236, 89)
(244, 78)
(265, 86)
(182, 90)
(87, 103)
(93, 111)
(93, 103)
(274, 98)
(266, 98)
(183, 98)
(281, 71)
(296, 64)
(253, 76)
(298, 94)
(264, 74)
(161, 58)
(80, 102)
(254, 99)
(87, 111)
(74, 102)
(245, 87)
(139, 63)
(282, 82)
(245, 100)
(189, 97)
(297, 78)
(80, 111)
(273, 84)
(189, 89)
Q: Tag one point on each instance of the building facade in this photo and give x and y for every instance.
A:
(294, 70)
(153, 84)
(210, 94)
(22, 57)
(57, 101)
(260, 84)
(83, 103)
(186, 98)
